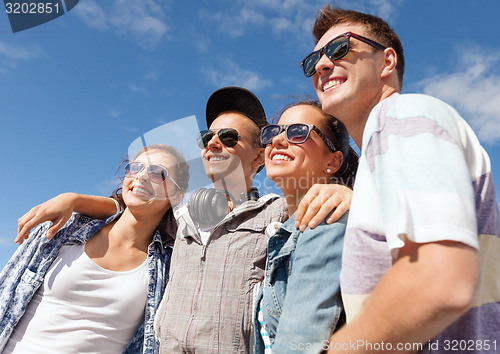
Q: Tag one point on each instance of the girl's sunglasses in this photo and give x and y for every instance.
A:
(228, 136)
(296, 133)
(335, 49)
(157, 174)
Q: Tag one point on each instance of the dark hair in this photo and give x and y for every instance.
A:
(380, 30)
(336, 131)
(168, 222)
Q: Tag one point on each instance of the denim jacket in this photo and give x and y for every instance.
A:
(300, 293)
(25, 271)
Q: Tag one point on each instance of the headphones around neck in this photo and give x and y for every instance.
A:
(210, 206)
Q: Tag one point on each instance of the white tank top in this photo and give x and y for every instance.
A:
(82, 308)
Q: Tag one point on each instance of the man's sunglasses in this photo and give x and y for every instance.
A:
(296, 133)
(228, 136)
(157, 174)
(335, 49)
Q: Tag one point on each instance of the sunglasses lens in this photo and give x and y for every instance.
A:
(268, 133)
(338, 48)
(203, 138)
(297, 133)
(309, 63)
(229, 137)
(335, 50)
(133, 168)
(157, 174)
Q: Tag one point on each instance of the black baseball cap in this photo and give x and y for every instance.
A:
(236, 99)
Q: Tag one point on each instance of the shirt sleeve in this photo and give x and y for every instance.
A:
(422, 179)
(17, 263)
(16, 272)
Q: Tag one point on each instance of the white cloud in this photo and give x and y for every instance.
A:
(16, 52)
(5, 241)
(138, 88)
(114, 113)
(92, 14)
(288, 17)
(12, 54)
(385, 9)
(153, 74)
(106, 187)
(473, 88)
(130, 129)
(236, 24)
(142, 20)
(228, 73)
(279, 16)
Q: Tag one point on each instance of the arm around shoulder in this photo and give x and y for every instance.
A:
(58, 210)
(320, 201)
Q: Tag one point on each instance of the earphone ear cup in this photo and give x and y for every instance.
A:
(193, 203)
(208, 206)
(215, 205)
(204, 206)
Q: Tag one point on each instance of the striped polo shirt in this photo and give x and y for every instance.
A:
(423, 175)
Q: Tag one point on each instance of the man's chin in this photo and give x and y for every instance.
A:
(217, 175)
(219, 170)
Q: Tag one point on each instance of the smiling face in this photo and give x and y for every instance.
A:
(350, 87)
(139, 192)
(219, 160)
(296, 167)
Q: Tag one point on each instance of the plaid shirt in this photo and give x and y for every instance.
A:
(207, 307)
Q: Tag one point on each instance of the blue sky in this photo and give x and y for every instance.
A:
(77, 91)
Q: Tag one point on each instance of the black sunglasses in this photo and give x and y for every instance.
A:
(157, 174)
(296, 133)
(335, 49)
(228, 136)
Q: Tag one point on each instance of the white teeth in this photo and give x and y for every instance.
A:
(141, 190)
(281, 157)
(331, 83)
(216, 158)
